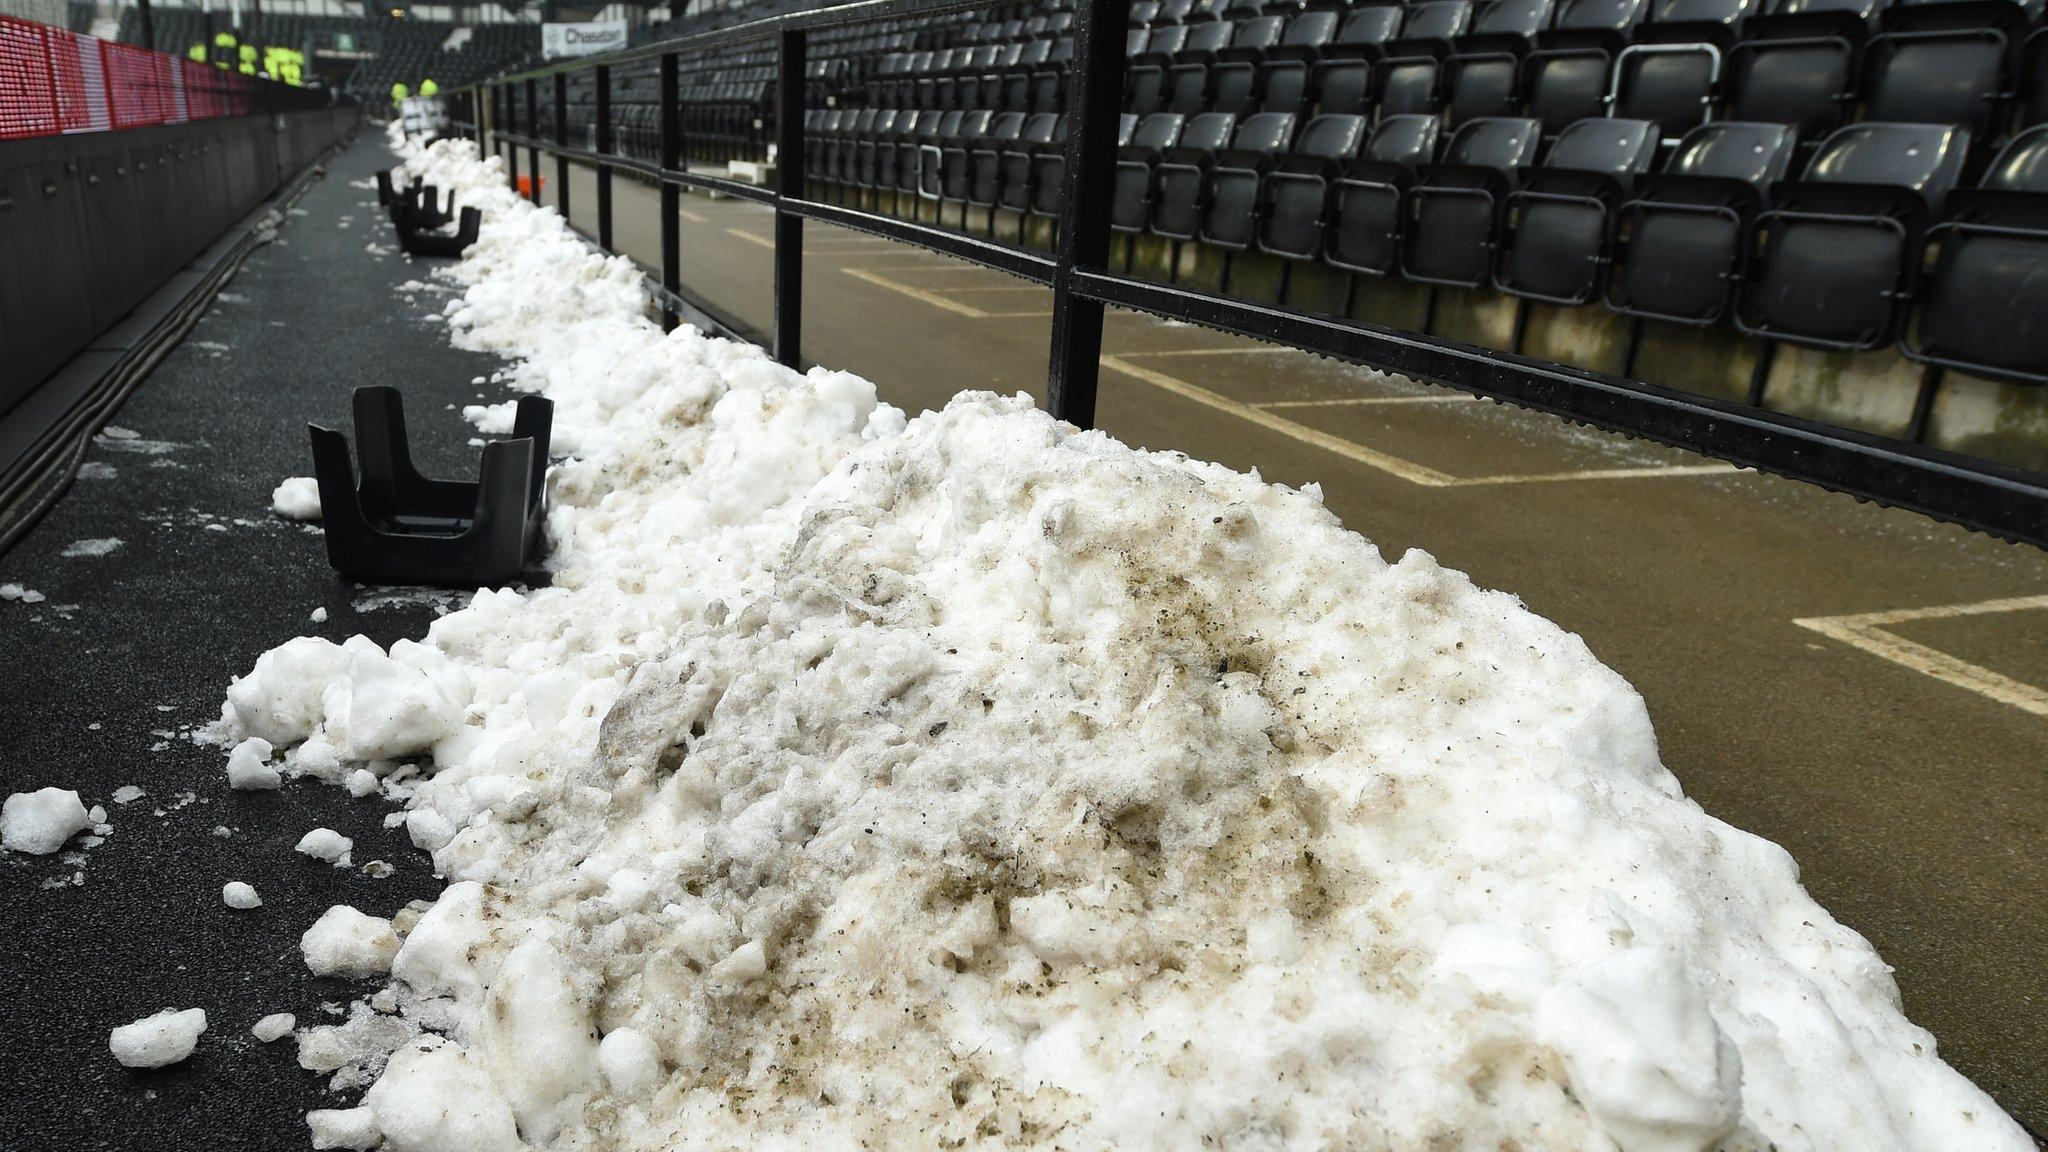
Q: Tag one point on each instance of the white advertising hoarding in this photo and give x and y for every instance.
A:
(582, 39)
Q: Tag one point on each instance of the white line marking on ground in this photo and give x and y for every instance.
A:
(750, 238)
(693, 217)
(1867, 632)
(1420, 474)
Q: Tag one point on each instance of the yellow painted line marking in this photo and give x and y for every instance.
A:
(1867, 633)
(1647, 472)
(1394, 465)
(693, 217)
(918, 294)
(1356, 401)
(1252, 350)
(1420, 474)
(934, 299)
(817, 247)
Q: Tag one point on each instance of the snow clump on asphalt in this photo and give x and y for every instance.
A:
(298, 498)
(155, 1041)
(39, 822)
(984, 783)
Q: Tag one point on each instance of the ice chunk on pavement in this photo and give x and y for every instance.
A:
(345, 942)
(297, 499)
(17, 592)
(240, 895)
(249, 768)
(327, 844)
(96, 547)
(128, 794)
(154, 1041)
(275, 1026)
(40, 822)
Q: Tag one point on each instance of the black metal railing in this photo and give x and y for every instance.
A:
(1977, 494)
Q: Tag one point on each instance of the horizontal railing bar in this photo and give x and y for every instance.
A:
(859, 12)
(1973, 493)
(730, 187)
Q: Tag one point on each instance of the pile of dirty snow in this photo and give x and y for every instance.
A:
(977, 782)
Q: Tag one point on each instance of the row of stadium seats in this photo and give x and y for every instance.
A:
(1679, 63)
(1718, 231)
(1831, 173)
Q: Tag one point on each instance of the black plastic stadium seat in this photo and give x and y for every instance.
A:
(1839, 249)
(1137, 181)
(1568, 72)
(1799, 64)
(1454, 207)
(1483, 77)
(1411, 74)
(1343, 74)
(1284, 82)
(905, 149)
(985, 158)
(1145, 77)
(1371, 198)
(1235, 72)
(1680, 242)
(1555, 234)
(1049, 166)
(1188, 73)
(1944, 63)
(1230, 218)
(1980, 310)
(874, 149)
(1672, 73)
(1297, 189)
(1017, 164)
(943, 168)
(1182, 173)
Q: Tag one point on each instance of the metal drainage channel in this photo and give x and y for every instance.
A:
(2007, 503)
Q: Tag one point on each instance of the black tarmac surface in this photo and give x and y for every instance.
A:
(102, 684)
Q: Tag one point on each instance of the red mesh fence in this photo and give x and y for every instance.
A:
(55, 81)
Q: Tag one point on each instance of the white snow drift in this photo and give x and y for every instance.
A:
(981, 783)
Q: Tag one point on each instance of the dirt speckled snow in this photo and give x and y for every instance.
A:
(974, 782)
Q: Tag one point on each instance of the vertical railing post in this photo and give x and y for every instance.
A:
(561, 142)
(511, 125)
(533, 134)
(1094, 102)
(671, 205)
(789, 185)
(604, 147)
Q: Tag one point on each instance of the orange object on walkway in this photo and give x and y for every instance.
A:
(526, 185)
